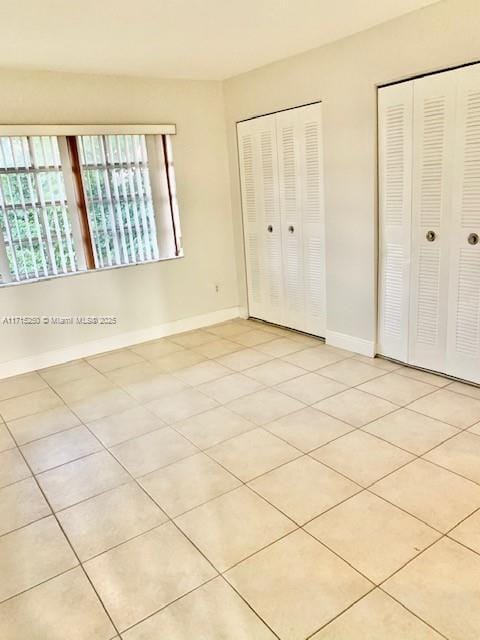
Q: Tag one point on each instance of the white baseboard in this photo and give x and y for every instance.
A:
(351, 343)
(60, 356)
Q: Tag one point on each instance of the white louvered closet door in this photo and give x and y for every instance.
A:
(261, 217)
(300, 163)
(313, 218)
(433, 137)
(282, 196)
(395, 122)
(463, 343)
(291, 201)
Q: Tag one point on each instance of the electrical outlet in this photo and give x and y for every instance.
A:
(217, 287)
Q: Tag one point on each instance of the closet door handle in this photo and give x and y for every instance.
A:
(291, 229)
(430, 236)
(269, 228)
(473, 238)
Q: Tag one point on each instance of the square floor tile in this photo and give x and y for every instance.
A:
(265, 405)
(181, 406)
(125, 425)
(81, 388)
(114, 360)
(460, 454)
(303, 488)
(102, 404)
(188, 483)
(296, 585)
(156, 348)
(217, 348)
(156, 386)
(229, 387)
(6, 440)
(372, 535)
(64, 607)
(314, 358)
(191, 339)
(398, 389)
(203, 372)
(253, 338)
(21, 385)
(233, 526)
(311, 388)
(355, 407)
(362, 457)
(12, 467)
(454, 408)
(59, 448)
(82, 479)
(226, 329)
(436, 496)
(31, 555)
(100, 523)
(442, 587)
(308, 428)
(20, 504)
(212, 427)
(178, 361)
(133, 373)
(253, 453)
(379, 362)
(143, 575)
(410, 430)
(42, 424)
(351, 372)
(465, 389)
(244, 359)
(468, 532)
(423, 376)
(378, 617)
(213, 611)
(68, 372)
(475, 429)
(280, 347)
(274, 372)
(152, 451)
(29, 404)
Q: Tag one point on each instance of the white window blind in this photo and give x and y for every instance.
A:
(35, 225)
(75, 202)
(119, 198)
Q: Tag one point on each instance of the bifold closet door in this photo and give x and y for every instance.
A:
(300, 165)
(433, 144)
(257, 144)
(395, 133)
(463, 341)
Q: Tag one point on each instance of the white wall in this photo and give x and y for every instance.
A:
(145, 296)
(344, 76)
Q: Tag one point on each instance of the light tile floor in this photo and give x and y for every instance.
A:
(238, 482)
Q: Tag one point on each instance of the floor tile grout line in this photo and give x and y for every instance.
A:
(172, 521)
(70, 544)
(262, 426)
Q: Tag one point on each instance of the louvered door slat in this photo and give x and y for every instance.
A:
(434, 122)
(291, 208)
(261, 217)
(395, 113)
(463, 342)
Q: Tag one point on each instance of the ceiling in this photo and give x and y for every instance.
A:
(198, 39)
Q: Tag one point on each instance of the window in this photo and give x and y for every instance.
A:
(71, 203)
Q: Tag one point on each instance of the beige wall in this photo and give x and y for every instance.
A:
(147, 295)
(344, 76)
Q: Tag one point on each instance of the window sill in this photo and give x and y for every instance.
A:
(6, 285)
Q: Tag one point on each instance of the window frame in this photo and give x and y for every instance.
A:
(162, 184)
